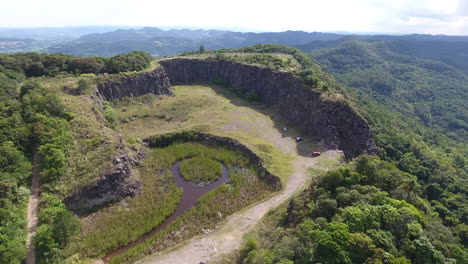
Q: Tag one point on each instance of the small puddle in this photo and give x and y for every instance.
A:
(190, 195)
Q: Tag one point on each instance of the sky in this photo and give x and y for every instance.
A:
(448, 17)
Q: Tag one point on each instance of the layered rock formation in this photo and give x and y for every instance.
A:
(113, 185)
(155, 82)
(337, 123)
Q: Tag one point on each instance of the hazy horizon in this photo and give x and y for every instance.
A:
(243, 30)
(449, 17)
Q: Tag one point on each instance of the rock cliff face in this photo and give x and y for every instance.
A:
(337, 123)
(155, 82)
(113, 185)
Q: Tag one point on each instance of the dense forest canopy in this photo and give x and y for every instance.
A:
(367, 212)
(35, 64)
(431, 91)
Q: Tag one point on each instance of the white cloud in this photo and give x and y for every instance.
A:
(404, 16)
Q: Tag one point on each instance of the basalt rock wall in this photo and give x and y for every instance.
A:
(155, 82)
(337, 123)
(112, 185)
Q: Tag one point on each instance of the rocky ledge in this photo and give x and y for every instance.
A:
(155, 82)
(111, 186)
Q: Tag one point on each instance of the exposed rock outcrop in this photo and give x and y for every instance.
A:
(212, 140)
(337, 123)
(113, 185)
(155, 82)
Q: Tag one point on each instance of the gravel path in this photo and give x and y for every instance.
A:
(229, 237)
(33, 210)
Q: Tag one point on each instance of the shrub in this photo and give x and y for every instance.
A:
(200, 170)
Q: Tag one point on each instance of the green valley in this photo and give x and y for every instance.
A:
(355, 153)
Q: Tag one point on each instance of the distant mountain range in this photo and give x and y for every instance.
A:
(55, 34)
(109, 41)
(162, 43)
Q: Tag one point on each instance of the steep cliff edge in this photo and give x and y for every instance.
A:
(155, 82)
(337, 123)
(115, 183)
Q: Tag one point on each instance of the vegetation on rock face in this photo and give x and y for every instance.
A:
(200, 170)
(279, 57)
(34, 118)
(367, 212)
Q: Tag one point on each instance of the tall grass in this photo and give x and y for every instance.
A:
(118, 225)
(243, 189)
(200, 170)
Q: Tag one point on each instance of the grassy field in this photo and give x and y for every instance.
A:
(200, 170)
(215, 110)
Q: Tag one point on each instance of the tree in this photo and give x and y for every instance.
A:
(134, 61)
(327, 208)
(361, 247)
(329, 251)
(64, 227)
(331, 180)
(85, 65)
(13, 164)
(426, 253)
(201, 49)
(83, 86)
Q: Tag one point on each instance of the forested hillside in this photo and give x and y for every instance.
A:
(367, 212)
(451, 50)
(432, 91)
(421, 167)
(33, 119)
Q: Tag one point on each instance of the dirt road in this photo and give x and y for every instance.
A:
(229, 237)
(33, 209)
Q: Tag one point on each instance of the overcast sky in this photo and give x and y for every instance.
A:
(387, 16)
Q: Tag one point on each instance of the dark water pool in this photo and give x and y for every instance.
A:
(190, 195)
